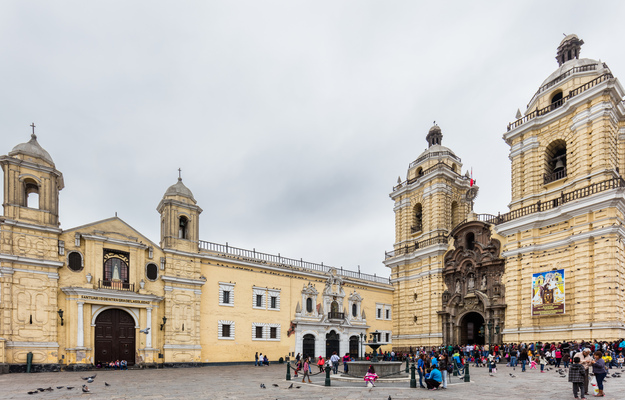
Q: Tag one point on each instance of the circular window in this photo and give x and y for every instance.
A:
(151, 272)
(74, 261)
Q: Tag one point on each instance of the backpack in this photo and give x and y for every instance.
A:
(450, 368)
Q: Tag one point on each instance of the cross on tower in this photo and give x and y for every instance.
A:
(33, 126)
(179, 174)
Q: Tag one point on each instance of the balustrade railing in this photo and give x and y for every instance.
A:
(554, 176)
(116, 285)
(336, 315)
(284, 262)
(559, 103)
(409, 248)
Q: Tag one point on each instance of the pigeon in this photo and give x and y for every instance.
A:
(60, 387)
(32, 392)
(92, 377)
(90, 380)
(48, 389)
(274, 385)
(41, 389)
(85, 389)
(512, 376)
(297, 387)
(70, 387)
(262, 386)
(290, 387)
(146, 330)
(106, 384)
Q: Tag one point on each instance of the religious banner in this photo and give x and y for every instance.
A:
(548, 293)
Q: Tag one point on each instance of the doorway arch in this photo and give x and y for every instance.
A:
(354, 343)
(114, 336)
(470, 328)
(332, 343)
(308, 346)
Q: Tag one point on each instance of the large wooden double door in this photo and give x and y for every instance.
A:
(114, 337)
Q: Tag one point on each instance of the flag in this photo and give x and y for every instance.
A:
(471, 182)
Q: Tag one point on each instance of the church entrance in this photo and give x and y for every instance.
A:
(114, 337)
(471, 324)
(332, 344)
(308, 346)
(354, 342)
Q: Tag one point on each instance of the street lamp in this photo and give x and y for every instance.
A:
(361, 343)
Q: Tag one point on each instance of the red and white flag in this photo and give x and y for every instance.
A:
(471, 182)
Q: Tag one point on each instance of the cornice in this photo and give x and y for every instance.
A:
(120, 242)
(183, 281)
(110, 294)
(406, 259)
(25, 225)
(30, 261)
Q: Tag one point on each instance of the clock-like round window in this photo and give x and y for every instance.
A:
(74, 261)
(151, 272)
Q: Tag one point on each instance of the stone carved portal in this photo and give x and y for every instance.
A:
(474, 293)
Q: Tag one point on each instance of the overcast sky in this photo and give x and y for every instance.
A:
(291, 120)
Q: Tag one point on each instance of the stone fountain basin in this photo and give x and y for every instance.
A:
(359, 368)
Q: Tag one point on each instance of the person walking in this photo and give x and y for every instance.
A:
(306, 370)
(345, 362)
(524, 359)
(334, 359)
(576, 376)
(443, 364)
(585, 361)
(598, 368)
(256, 360)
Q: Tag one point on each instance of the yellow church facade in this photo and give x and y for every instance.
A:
(551, 268)
(103, 291)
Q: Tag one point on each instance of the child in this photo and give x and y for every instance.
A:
(576, 376)
(543, 362)
(371, 376)
(493, 365)
(533, 363)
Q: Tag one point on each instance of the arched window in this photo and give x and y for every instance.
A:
(417, 223)
(454, 167)
(116, 269)
(31, 193)
(354, 310)
(555, 161)
(309, 305)
(470, 238)
(183, 228)
(454, 214)
(419, 172)
(556, 100)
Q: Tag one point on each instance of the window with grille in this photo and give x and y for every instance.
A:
(225, 330)
(258, 334)
(274, 302)
(273, 333)
(226, 297)
(259, 300)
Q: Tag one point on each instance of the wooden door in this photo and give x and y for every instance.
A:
(114, 337)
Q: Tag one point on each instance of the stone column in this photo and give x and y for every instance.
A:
(148, 339)
(80, 329)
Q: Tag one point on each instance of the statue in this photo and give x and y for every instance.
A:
(457, 286)
(483, 282)
(471, 282)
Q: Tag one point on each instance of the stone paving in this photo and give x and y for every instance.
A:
(243, 382)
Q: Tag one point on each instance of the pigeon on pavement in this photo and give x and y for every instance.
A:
(92, 377)
(274, 385)
(85, 389)
(290, 387)
(512, 376)
(106, 384)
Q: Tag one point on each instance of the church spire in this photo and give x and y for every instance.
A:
(434, 136)
(569, 49)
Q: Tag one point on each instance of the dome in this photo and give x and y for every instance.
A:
(179, 189)
(576, 62)
(32, 149)
(435, 129)
(568, 38)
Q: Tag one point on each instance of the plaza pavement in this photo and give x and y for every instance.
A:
(243, 382)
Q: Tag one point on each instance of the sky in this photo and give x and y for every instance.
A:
(290, 120)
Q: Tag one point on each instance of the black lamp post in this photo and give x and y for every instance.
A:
(60, 312)
(164, 322)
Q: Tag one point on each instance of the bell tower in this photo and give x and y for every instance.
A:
(428, 205)
(31, 184)
(179, 218)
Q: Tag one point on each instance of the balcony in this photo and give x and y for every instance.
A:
(116, 285)
(416, 228)
(554, 176)
(336, 315)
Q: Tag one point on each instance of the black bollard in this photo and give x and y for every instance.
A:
(328, 382)
(413, 379)
(288, 371)
(467, 378)
(455, 368)
(406, 365)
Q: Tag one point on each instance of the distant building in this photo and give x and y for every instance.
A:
(552, 267)
(102, 291)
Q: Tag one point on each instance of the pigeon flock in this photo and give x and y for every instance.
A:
(85, 388)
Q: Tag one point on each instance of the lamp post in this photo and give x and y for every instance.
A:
(361, 343)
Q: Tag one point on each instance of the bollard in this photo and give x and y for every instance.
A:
(29, 360)
(455, 368)
(413, 379)
(288, 371)
(467, 378)
(328, 369)
(406, 365)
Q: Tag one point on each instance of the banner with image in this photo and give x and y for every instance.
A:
(548, 293)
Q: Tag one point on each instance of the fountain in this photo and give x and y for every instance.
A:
(382, 368)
